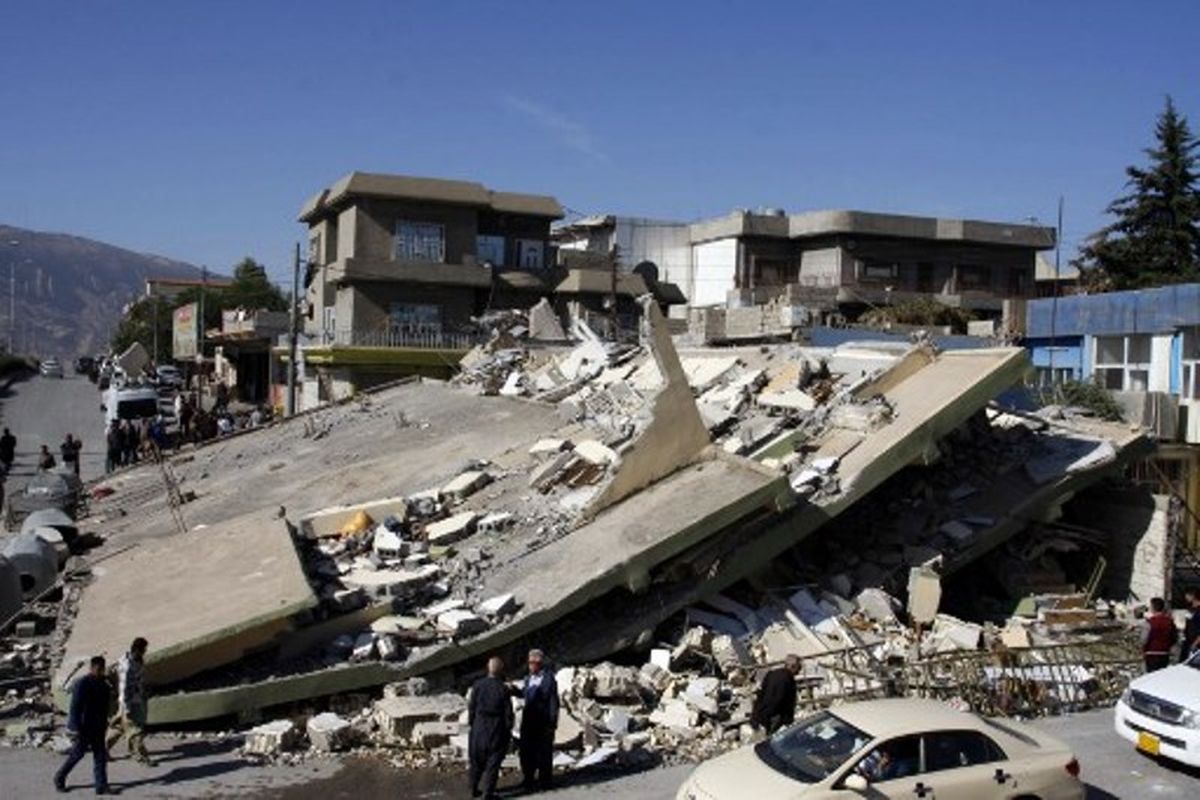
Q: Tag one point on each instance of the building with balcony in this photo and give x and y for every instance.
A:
(843, 261)
(396, 255)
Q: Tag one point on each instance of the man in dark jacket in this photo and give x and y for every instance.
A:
(490, 717)
(70, 449)
(539, 721)
(8, 449)
(775, 705)
(86, 723)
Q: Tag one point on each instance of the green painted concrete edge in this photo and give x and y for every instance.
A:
(335, 356)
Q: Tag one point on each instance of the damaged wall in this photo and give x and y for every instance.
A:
(676, 435)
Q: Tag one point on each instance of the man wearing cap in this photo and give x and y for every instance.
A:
(539, 721)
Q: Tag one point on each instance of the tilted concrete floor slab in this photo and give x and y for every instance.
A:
(202, 599)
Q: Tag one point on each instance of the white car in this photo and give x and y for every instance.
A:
(51, 368)
(169, 375)
(892, 749)
(1160, 712)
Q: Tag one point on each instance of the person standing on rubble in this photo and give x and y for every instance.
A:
(775, 705)
(1159, 635)
(130, 720)
(490, 720)
(1191, 629)
(539, 722)
(86, 723)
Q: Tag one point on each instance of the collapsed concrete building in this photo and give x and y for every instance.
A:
(584, 498)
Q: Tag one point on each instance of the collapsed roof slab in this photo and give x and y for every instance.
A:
(202, 599)
(931, 396)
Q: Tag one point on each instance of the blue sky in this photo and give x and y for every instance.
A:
(196, 130)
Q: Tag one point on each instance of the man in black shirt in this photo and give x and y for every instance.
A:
(775, 705)
(490, 717)
(8, 449)
(86, 723)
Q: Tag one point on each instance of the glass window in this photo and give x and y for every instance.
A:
(1139, 380)
(1191, 344)
(897, 758)
(878, 271)
(973, 276)
(490, 249)
(1113, 378)
(1110, 349)
(420, 241)
(955, 749)
(812, 749)
(529, 253)
(414, 318)
(1139, 349)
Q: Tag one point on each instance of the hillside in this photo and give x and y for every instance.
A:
(70, 291)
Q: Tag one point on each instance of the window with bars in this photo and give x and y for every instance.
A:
(1122, 363)
(420, 241)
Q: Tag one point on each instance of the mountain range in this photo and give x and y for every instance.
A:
(71, 291)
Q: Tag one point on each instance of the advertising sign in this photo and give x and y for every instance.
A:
(185, 332)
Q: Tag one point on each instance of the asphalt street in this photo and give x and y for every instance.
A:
(43, 411)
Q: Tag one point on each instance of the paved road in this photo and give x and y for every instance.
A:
(43, 411)
(1111, 768)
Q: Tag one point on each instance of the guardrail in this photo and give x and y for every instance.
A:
(433, 340)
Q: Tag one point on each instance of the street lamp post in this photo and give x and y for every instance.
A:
(12, 296)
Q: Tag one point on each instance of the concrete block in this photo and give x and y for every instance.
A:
(391, 583)
(495, 522)
(924, 594)
(329, 733)
(389, 647)
(654, 677)
(397, 625)
(434, 734)
(594, 452)
(569, 732)
(461, 623)
(466, 484)
(701, 694)
(548, 474)
(612, 682)
(272, 738)
(546, 447)
(364, 647)
(451, 529)
(951, 633)
(498, 606)
(790, 400)
(877, 605)
(730, 653)
(661, 658)
(398, 716)
(387, 544)
(676, 714)
(616, 721)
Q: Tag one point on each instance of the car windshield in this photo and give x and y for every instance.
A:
(137, 409)
(814, 748)
(1194, 660)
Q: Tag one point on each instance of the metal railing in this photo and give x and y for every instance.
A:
(431, 339)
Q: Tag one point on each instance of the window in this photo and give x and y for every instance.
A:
(973, 276)
(314, 250)
(529, 253)
(1056, 377)
(414, 318)
(877, 271)
(420, 241)
(1190, 390)
(956, 749)
(490, 249)
(812, 749)
(1122, 363)
(892, 760)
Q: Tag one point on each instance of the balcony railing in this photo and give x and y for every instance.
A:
(428, 338)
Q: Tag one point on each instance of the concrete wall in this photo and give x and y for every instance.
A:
(714, 269)
(1141, 549)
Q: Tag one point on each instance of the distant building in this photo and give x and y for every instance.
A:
(1051, 281)
(844, 261)
(170, 288)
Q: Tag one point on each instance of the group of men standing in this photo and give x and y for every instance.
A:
(1160, 635)
(69, 450)
(124, 440)
(90, 726)
(491, 719)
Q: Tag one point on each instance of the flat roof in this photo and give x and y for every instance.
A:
(436, 190)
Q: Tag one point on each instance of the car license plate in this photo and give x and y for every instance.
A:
(1147, 743)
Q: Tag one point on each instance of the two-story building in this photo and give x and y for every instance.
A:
(392, 256)
(846, 261)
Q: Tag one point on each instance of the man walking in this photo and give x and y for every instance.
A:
(1191, 629)
(113, 441)
(490, 717)
(1159, 636)
(130, 721)
(775, 705)
(70, 453)
(8, 450)
(539, 721)
(86, 723)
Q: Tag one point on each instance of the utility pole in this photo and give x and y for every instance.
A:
(613, 254)
(12, 297)
(154, 325)
(1054, 301)
(293, 334)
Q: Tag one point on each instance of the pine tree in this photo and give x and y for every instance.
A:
(1155, 239)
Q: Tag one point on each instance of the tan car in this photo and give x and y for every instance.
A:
(879, 749)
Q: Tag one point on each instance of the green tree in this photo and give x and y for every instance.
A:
(1155, 238)
(252, 289)
(139, 324)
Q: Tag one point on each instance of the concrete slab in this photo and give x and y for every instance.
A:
(202, 599)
